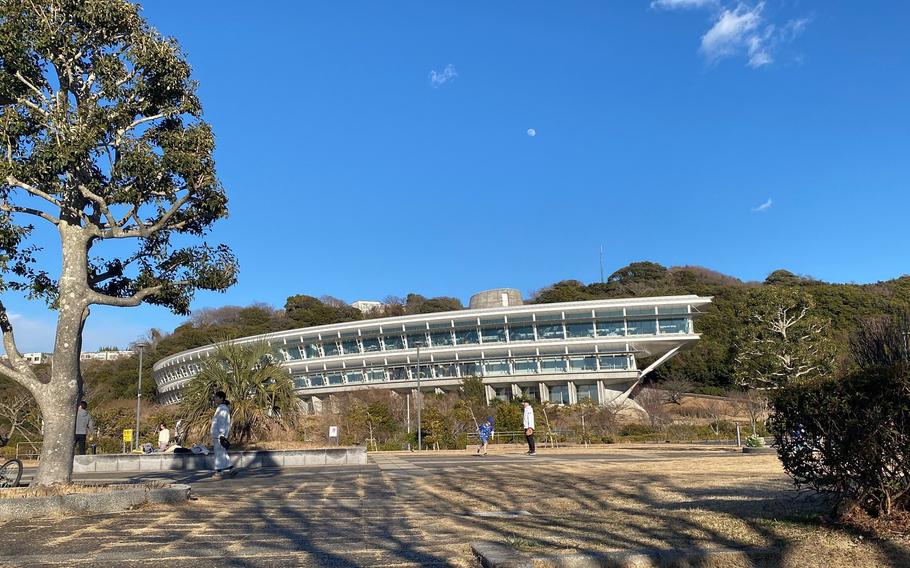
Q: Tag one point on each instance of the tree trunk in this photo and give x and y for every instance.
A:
(59, 398)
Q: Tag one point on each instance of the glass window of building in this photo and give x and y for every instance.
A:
(559, 394)
(578, 316)
(441, 338)
(583, 363)
(642, 327)
(465, 336)
(585, 329)
(524, 366)
(312, 350)
(650, 311)
(317, 380)
(664, 310)
(611, 328)
(397, 374)
(503, 393)
(586, 391)
(521, 319)
(375, 375)
(674, 325)
(493, 334)
(521, 333)
(426, 371)
(549, 317)
(293, 353)
(549, 331)
(371, 344)
(550, 365)
(354, 376)
(613, 362)
(415, 339)
(446, 370)
(350, 346)
(530, 392)
(493, 321)
(334, 378)
(300, 383)
(469, 369)
(330, 348)
(392, 342)
(496, 367)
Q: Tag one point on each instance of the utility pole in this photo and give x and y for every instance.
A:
(141, 347)
(409, 421)
(419, 404)
(601, 264)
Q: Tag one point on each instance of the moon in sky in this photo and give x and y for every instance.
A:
(532, 133)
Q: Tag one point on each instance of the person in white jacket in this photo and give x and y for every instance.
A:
(221, 428)
(528, 423)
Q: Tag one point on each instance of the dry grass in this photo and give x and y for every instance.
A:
(692, 504)
(72, 489)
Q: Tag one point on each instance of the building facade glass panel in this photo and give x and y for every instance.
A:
(350, 346)
(465, 336)
(642, 327)
(582, 363)
(493, 334)
(317, 380)
(674, 325)
(559, 394)
(530, 392)
(441, 338)
(611, 328)
(375, 375)
(354, 376)
(585, 329)
(614, 362)
(521, 333)
(334, 378)
(549, 331)
(330, 348)
(470, 369)
(446, 370)
(398, 374)
(312, 350)
(583, 392)
(393, 342)
(523, 366)
(551, 365)
(415, 339)
(496, 367)
(371, 345)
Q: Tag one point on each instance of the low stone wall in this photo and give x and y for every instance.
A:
(106, 463)
(118, 499)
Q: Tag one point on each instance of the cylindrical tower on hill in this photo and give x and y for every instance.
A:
(496, 298)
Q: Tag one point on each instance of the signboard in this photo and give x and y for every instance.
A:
(128, 435)
(333, 431)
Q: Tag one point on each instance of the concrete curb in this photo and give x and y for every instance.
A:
(107, 463)
(114, 501)
(762, 450)
(497, 555)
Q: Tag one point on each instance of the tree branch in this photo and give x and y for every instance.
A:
(12, 180)
(16, 366)
(29, 211)
(143, 230)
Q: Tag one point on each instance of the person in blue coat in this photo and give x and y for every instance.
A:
(485, 432)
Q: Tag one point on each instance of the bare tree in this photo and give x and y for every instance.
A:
(675, 388)
(652, 402)
(21, 416)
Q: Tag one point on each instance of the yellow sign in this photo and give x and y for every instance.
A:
(128, 435)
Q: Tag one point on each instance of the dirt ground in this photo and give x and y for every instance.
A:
(695, 504)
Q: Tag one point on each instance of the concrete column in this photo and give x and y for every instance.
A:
(516, 390)
(438, 390)
(573, 393)
(490, 393)
(544, 392)
(601, 393)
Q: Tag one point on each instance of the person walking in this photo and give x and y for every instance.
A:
(221, 428)
(528, 423)
(85, 427)
(164, 437)
(485, 432)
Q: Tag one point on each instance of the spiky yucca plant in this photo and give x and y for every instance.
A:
(260, 391)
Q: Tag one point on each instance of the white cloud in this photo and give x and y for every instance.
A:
(763, 207)
(681, 4)
(740, 30)
(734, 30)
(441, 78)
(532, 133)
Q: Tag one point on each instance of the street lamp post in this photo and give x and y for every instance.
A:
(141, 347)
(419, 404)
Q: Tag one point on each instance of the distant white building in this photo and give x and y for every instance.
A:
(105, 355)
(36, 358)
(366, 306)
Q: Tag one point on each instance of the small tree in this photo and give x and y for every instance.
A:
(260, 391)
(102, 141)
(785, 341)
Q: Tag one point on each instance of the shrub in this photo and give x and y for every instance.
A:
(633, 429)
(848, 437)
(755, 441)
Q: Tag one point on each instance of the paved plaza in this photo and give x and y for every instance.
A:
(408, 510)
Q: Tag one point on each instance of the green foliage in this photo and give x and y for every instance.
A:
(848, 437)
(104, 131)
(305, 311)
(260, 391)
(755, 441)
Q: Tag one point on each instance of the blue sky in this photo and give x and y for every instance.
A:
(375, 148)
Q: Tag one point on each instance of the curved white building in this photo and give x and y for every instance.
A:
(560, 353)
